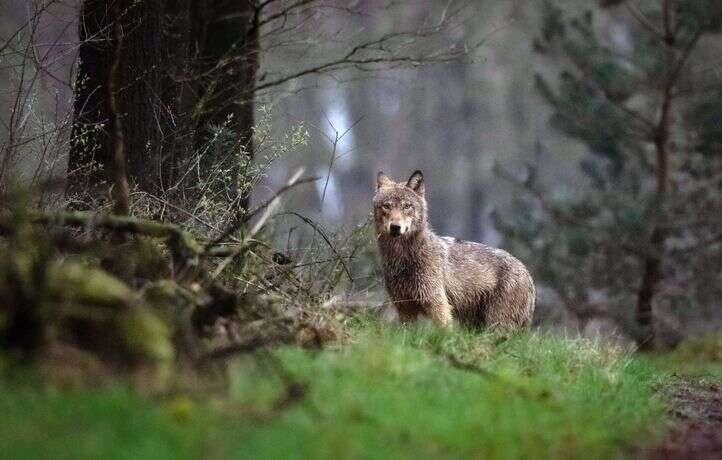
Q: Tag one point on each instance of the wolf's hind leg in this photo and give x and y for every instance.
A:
(504, 318)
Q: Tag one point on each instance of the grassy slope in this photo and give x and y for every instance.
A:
(391, 392)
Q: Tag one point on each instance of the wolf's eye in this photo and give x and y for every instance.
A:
(406, 205)
(386, 206)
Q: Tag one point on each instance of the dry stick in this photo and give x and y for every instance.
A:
(338, 137)
(245, 218)
(120, 190)
(15, 124)
(269, 207)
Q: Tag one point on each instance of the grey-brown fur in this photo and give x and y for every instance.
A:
(444, 277)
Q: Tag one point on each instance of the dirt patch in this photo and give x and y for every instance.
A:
(698, 408)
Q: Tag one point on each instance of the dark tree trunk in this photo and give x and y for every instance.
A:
(215, 43)
(145, 95)
(89, 159)
(185, 65)
(651, 277)
(653, 263)
(227, 42)
(652, 271)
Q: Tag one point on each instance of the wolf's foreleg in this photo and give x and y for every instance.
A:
(440, 312)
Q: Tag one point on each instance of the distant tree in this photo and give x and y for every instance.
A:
(647, 229)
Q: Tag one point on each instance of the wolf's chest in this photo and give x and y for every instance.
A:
(400, 273)
(407, 281)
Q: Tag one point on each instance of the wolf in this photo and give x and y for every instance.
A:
(441, 277)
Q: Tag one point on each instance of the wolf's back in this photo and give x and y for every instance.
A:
(488, 286)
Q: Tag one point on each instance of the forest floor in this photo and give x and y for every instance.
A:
(392, 393)
(693, 393)
(697, 409)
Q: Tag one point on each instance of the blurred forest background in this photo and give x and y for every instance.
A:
(584, 137)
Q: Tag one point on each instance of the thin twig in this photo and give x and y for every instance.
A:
(268, 210)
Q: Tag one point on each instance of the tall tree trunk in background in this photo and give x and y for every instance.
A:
(652, 273)
(653, 262)
(144, 95)
(227, 42)
(89, 158)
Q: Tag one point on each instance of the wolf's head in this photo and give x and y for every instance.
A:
(400, 209)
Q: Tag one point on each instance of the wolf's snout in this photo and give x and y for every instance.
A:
(395, 229)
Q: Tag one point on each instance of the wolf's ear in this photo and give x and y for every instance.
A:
(382, 180)
(416, 182)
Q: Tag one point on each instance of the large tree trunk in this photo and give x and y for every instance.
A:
(226, 33)
(145, 95)
(185, 65)
(90, 155)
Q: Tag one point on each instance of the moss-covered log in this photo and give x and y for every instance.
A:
(180, 241)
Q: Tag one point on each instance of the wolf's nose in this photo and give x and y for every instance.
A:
(395, 229)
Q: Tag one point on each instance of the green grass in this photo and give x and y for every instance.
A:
(700, 357)
(391, 393)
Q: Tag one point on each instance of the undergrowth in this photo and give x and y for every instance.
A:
(386, 393)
